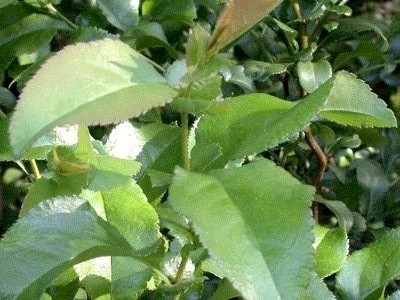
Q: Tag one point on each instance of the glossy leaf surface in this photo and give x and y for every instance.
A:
(125, 85)
(256, 250)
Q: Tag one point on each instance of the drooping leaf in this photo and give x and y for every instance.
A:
(237, 18)
(50, 240)
(331, 252)
(343, 214)
(369, 270)
(126, 85)
(256, 250)
(122, 14)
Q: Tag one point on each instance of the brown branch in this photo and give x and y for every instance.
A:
(322, 159)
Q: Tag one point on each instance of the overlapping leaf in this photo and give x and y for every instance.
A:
(251, 123)
(237, 18)
(122, 14)
(23, 32)
(331, 251)
(106, 80)
(262, 256)
(49, 240)
(126, 208)
(351, 102)
(369, 270)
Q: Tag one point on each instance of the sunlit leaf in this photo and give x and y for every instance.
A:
(122, 14)
(58, 225)
(331, 252)
(253, 247)
(125, 85)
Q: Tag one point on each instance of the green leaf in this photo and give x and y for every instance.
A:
(313, 74)
(238, 17)
(183, 11)
(342, 213)
(253, 246)
(368, 270)
(317, 290)
(331, 252)
(126, 85)
(7, 99)
(49, 240)
(24, 24)
(367, 49)
(126, 208)
(394, 296)
(63, 135)
(248, 124)
(373, 179)
(4, 3)
(122, 14)
(225, 291)
(201, 96)
(88, 34)
(149, 35)
(196, 48)
(353, 27)
(44, 189)
(161, 153)
(22, 32)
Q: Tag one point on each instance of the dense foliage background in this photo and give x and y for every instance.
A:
(189, 57)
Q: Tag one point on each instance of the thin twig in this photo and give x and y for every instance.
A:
(59, 15)
(312, 143)
(35, 169)
(322, 160)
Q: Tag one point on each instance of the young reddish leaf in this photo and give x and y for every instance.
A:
(238, 17)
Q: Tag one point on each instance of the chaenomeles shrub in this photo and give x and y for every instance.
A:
(180, 202)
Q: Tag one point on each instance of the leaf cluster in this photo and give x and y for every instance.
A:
(198, 149)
